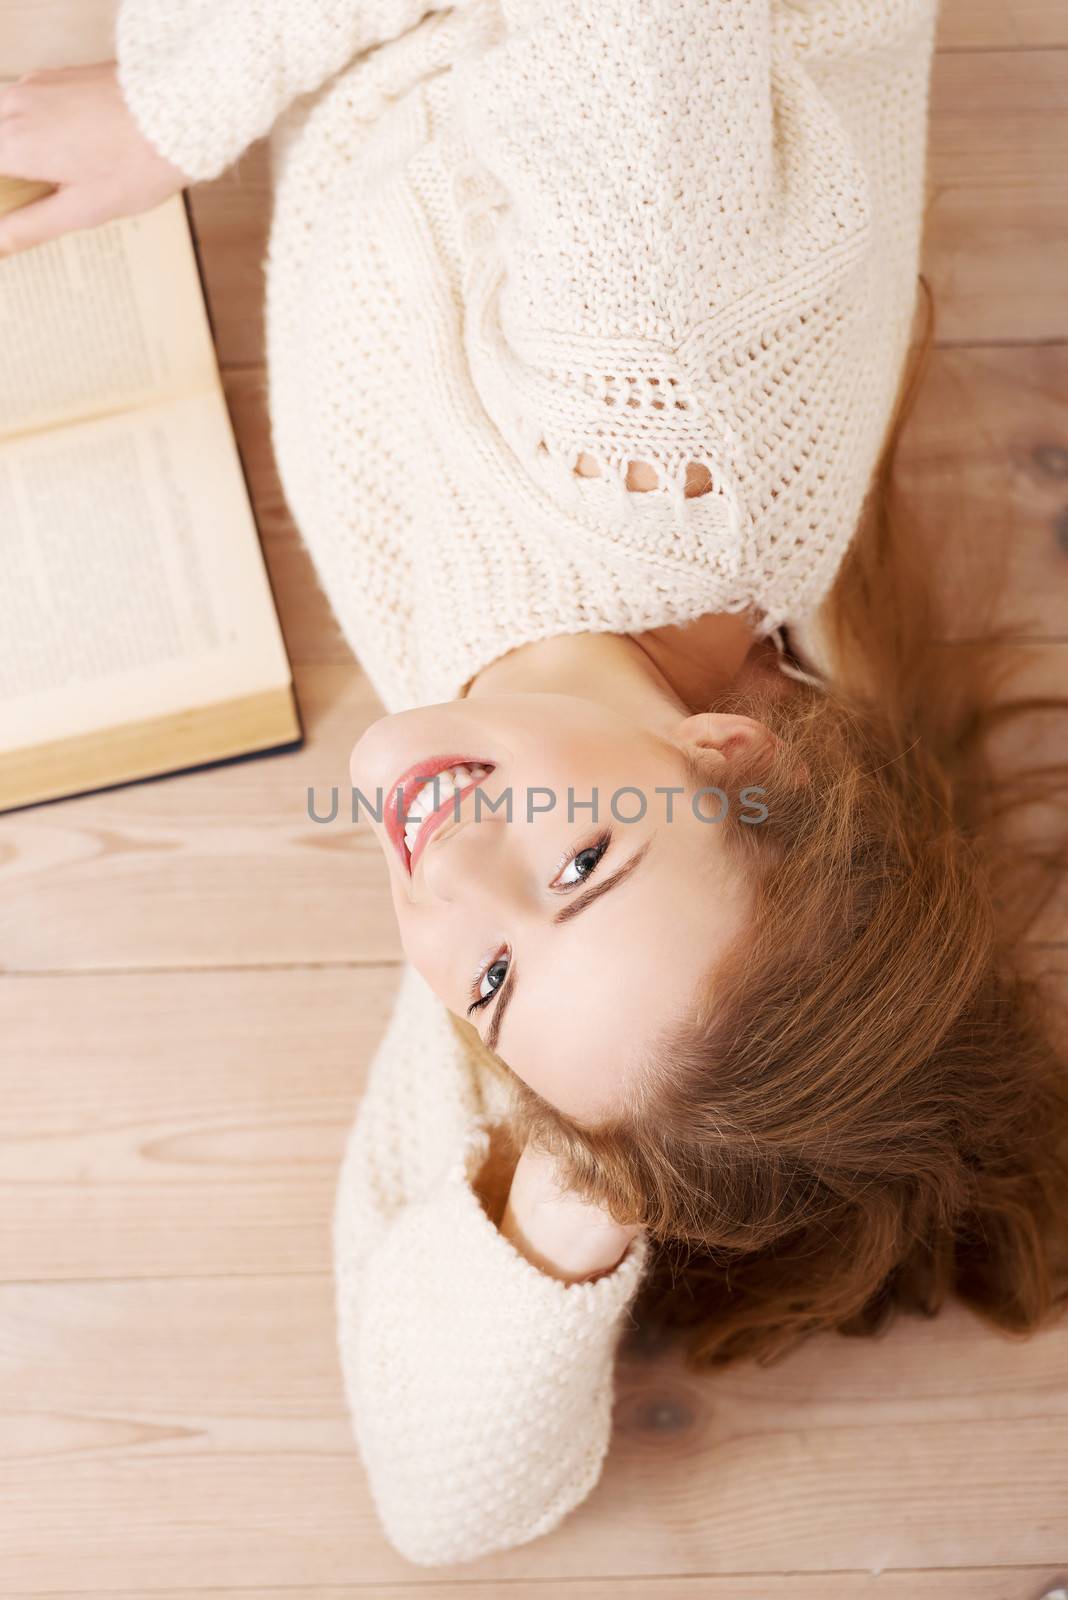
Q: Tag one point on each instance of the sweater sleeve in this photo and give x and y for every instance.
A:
(480, 1388)
(205, 78)
(672, 257)
(624, 189)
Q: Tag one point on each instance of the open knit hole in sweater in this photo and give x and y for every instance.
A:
(642, 476)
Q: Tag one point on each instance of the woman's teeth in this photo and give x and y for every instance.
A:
(437, 791)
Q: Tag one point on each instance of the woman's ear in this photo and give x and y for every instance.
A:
(716, 737)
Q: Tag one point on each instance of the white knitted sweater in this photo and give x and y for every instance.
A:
(507, 232)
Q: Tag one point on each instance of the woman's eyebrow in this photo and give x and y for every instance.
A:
(493, 1032)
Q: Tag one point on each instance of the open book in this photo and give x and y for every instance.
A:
(137, 631)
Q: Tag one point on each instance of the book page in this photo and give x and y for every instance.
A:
(103, 320)
(132, 583)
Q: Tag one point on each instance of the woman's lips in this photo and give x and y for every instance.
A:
(404, 791)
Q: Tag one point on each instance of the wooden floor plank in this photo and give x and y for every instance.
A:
(1005, 24)
(181, 1123)
(984, 461)
(975, 1583)
(312, 633)
(221, 867)
(206, 1109)
(912, 1375)
(997, 228)
(132, 1460)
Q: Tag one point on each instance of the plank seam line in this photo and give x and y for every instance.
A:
(387, 963)
(403, 1586)
(999, 49)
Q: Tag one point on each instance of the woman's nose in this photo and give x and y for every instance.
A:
(466, 861)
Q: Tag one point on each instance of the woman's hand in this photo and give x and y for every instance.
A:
(561, 1233)
(72, 128)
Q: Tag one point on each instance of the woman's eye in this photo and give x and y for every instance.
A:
(493, 977)
(581, 865)
(485, 987)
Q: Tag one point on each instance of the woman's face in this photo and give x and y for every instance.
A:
(571, 942)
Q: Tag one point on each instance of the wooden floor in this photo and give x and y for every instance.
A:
(193, 980)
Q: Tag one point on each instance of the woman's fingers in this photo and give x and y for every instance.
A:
(72, 128)
(17, 154)
(43, 220)
(54, 127)
(556, 1228)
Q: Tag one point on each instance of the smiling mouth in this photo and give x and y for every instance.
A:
(427, 795)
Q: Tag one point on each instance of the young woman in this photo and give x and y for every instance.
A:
(586, 328)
